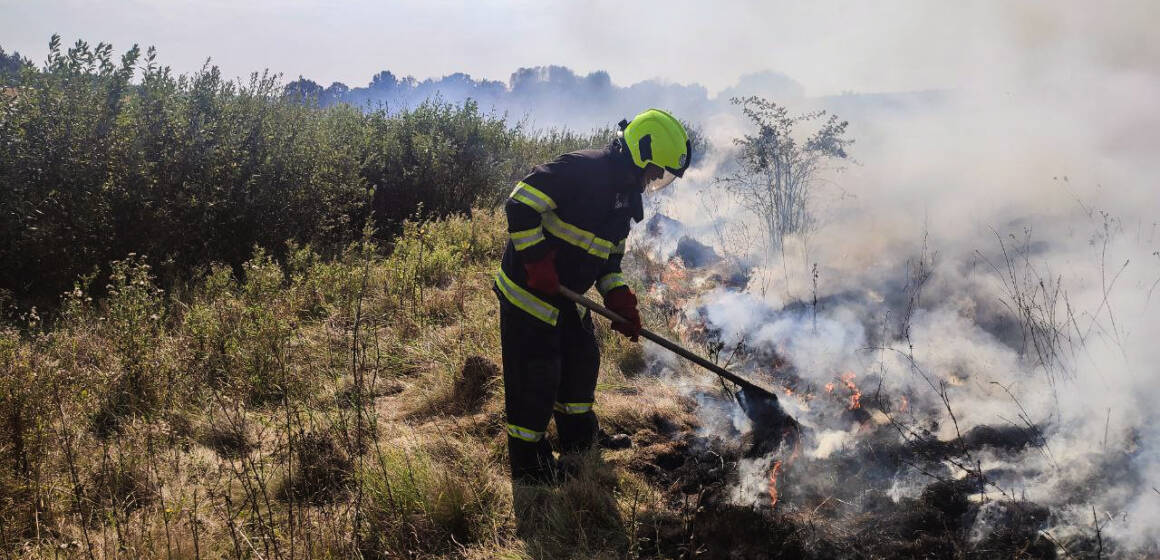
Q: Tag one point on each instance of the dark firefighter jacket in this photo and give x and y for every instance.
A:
(580, 204)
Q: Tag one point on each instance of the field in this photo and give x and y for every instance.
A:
(307, 410)
(237, 324)
(354, 406)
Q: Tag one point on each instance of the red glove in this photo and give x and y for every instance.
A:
(622, 301)
(542, 274)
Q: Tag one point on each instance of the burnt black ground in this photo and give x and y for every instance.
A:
(840, 506)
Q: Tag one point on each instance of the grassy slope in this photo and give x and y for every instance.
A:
(271, 416)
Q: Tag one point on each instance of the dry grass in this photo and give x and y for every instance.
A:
(313, 408)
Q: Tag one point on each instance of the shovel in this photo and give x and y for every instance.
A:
(751, 392)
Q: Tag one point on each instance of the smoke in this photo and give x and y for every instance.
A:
(995, 244)
(991, 251)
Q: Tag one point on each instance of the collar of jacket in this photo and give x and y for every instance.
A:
(627, 174)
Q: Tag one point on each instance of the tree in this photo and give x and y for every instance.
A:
(10, 67)
(336, 90)
(384, 80)
(777, 172)
(303, 91)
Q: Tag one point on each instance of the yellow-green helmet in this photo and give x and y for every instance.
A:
(657, 137)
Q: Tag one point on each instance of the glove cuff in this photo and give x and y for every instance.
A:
(610, 282)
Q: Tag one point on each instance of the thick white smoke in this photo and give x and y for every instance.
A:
(1031, 199)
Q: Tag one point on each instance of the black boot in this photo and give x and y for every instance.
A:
(577, 431)
(532, 462)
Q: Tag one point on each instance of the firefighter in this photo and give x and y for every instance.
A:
(567, 225)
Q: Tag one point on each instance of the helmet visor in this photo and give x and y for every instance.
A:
(660, 182)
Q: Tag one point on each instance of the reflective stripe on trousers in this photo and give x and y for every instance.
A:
(524, 434)
(573, 407)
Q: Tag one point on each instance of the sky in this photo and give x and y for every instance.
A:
(828, 46)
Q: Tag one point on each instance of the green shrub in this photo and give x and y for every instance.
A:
(434, 160)
(241, 331)
(130, 322)
(100, 158)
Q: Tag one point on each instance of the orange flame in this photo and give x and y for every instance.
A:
(855, 393)
(904, 405)
(775, 469)
(773, 472)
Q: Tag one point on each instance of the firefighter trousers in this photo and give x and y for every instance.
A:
(548, 371)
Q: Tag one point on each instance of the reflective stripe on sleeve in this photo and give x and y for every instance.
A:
(533, 197)
(610, 281)
(585, 240)
(524, 239)
(573, 407)
(524, 299)
(525, 434)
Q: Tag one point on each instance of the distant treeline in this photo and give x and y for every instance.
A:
(547, 95)
(101, 157)
(556, 96)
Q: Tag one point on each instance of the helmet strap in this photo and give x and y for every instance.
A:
(636, 205)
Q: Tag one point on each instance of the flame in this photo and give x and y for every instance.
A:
(830, 387)
(855, 393)
(775, 469)
(773, 472)
(904, 404)
(803, 396)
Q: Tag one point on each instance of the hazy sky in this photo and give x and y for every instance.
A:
(828, 46)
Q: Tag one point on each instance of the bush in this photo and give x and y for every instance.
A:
(186, 169)
(777, 171)
(121, 338)
(241, 332)
(100, 158)
(429, 254)
(435, 160)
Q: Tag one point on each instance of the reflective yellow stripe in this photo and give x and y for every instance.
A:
(524, 433)
(533, 197)
(585, 240)
(524, 239)
(524, 299)
(542, 203)
(573, 407)
(620, 247)
(610, 281)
